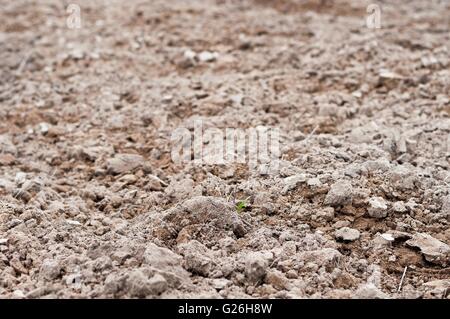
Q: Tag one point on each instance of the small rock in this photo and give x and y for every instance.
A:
(377, 207)
(50, 269)
(7, 159)
(220, 283)
(201, 211)
(102, 263)
(18, 294)
(256, 265)
(277, 279)
(369, 291)
(166, 263)
(314, 182)
(387, 237)
(292, 274)
(438, 288)
(428, 61)
(182, 189)
(92, 153)
(399, 207)
(73, 222)
(122, 254)
(433, 250)
(138, 284)
(20, 178)
(38, 292)
(189, 54)
(382, 239)
(160, 257)
(14, 222)
(288, 249)
(187, 60)
(123, 163)
(291, 182)
(44, 127)
(207, 56)
(327, 214)
(17, 265)
(155, 183)
(347, 234)
(7, 145)
(196, 257)
(339, 194)
(157, 284)
(74, 279)
(114, 284)
(325, 257)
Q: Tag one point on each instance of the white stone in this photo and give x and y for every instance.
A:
(207, 56)
(387, 237)
(189, 54)
(340, 193)
(73, 222)
(377, 207)
(43, 127)
(399, 207)
(20, 178)
(347, 234)
(433, 250)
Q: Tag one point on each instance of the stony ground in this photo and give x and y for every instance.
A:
(92, 206)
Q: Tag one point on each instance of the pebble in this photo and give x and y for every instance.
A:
(44, 127)
(50, 269)
(138, 284)
(433, 250)
(73, 222)
(388, 237)
(314, 182)
(189, 54)
(256, 265)
(325, 257)
(157, 284)
(347, 234)
(20, 178)
(19, 294)
(399, 207)
(369, 291)
(377, 207)
(291, 182)
(220, 283)
(196, 257)
(123, 163)
(339, 194)
(207, 56)
(277, 279)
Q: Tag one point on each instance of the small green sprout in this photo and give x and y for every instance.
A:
(241, 206)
